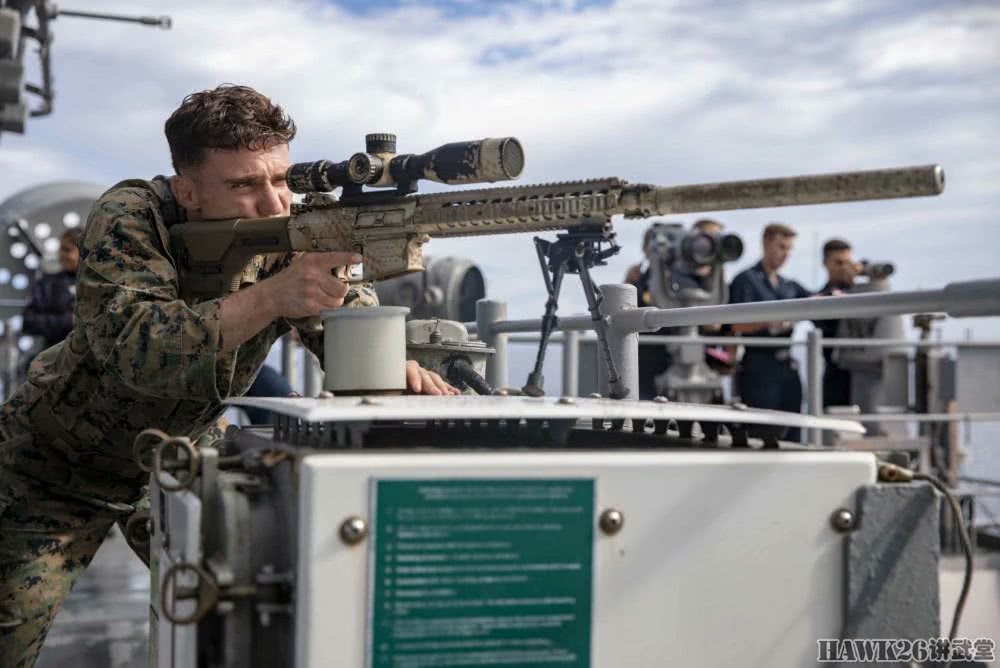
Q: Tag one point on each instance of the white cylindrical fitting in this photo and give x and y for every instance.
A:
(365, 349)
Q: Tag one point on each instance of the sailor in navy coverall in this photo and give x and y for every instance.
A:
(769, 377)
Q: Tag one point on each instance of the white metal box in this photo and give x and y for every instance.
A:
(726, 557)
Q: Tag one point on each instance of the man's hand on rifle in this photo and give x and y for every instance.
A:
(301, 290)
(308, 285)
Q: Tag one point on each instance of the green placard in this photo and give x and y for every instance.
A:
(481, 572)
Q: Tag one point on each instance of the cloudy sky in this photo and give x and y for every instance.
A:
(660, 91)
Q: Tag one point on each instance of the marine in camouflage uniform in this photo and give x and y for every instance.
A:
(138, 357)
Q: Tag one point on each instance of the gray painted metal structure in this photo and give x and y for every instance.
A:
(45, 207)
(623, 344)
(892, 564)
(488, 313)
(570, 369)
(814, 384)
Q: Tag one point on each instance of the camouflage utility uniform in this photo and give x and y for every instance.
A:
(138, 357)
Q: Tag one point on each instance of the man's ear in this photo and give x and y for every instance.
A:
(186, 192)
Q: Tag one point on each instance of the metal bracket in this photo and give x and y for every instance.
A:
(137, 531)
(208, 593)
(205, 592)
(149, 454)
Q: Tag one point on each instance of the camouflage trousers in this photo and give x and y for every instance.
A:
(48, 535)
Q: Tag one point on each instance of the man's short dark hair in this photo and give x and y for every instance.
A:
(229, 117)
(778, 230)
(834, 246)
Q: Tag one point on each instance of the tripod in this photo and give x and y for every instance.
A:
(576, 251)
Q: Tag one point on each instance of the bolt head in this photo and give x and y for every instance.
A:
(353, 530)
(660, 400)
(594, 395)
(842, 520)
(568, 401)
(611, 521)
(326, 394)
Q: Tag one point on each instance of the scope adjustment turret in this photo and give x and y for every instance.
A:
(380, 142)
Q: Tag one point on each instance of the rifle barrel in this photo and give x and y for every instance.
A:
(158, 21)
(920, 181)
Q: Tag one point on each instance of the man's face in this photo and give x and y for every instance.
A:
(236, 184)
(776, 251)
(840, 268)
(69, 255)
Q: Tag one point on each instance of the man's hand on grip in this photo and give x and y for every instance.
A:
(307, 285)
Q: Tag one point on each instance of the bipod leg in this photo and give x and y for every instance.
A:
(535, 387)
(594, 301)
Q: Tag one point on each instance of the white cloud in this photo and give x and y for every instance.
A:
(945, 41)
(24, 166)
(665, 92)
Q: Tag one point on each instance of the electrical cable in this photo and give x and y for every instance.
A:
(892, 473)
(963, 535)
(461, 371)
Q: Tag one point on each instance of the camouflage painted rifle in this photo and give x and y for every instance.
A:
(389, 227)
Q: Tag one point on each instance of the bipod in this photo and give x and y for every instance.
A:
(576, 251)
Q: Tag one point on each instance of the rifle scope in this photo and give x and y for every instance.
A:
(481, 161)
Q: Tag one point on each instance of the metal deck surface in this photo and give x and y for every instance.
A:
(104, 622)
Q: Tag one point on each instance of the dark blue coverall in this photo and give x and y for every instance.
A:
(268, 383)
(49, 312)
(768, 377)
(836, 381)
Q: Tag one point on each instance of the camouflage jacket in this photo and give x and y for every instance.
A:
(138, 355)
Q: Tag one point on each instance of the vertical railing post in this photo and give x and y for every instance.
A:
(814, 380)
(288, 355)
(489, 311)
(570, 364)
(312, 381)
(624, 345)
(9, 357)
